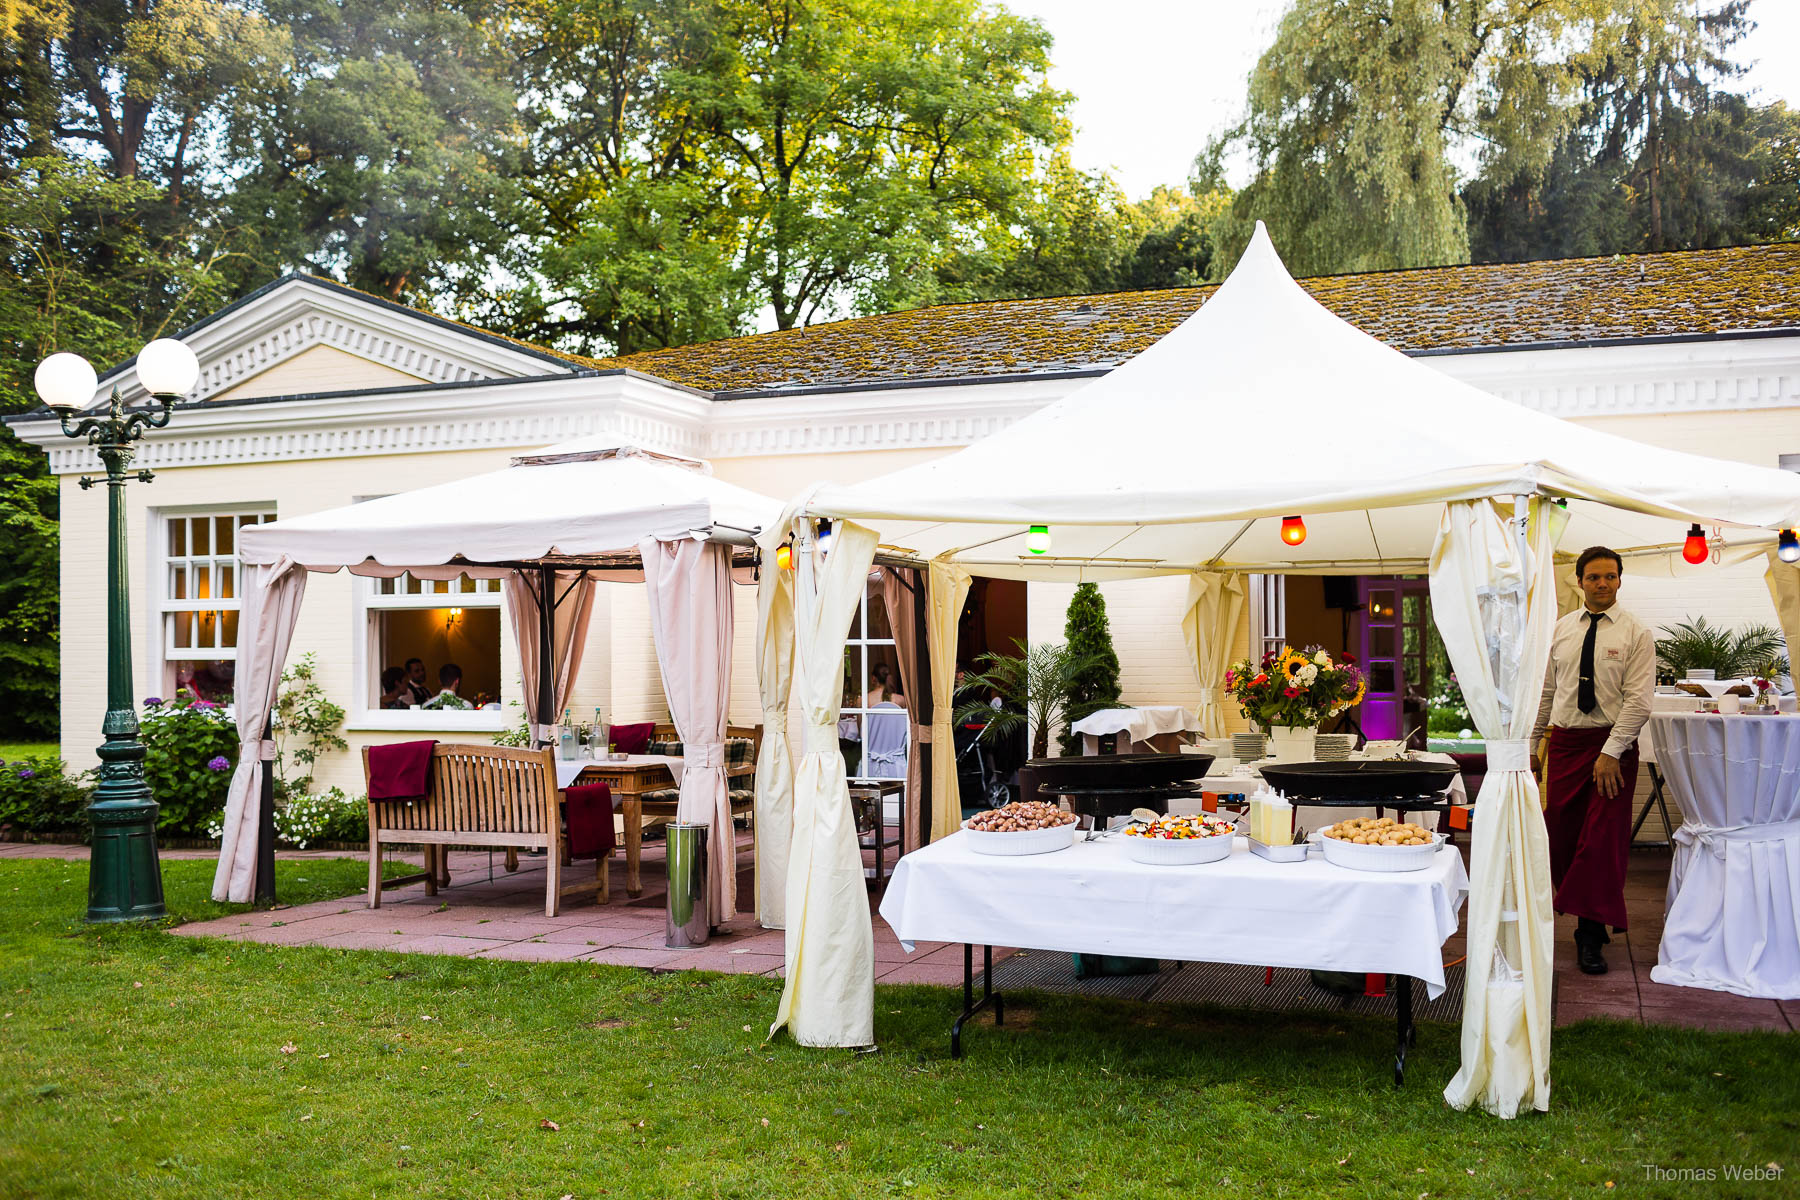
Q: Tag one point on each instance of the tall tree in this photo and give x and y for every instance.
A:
(1093, 683)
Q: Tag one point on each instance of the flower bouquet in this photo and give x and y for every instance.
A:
(1293, 689)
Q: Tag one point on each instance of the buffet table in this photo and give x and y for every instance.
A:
(1093, 899)
(1732, 920)
(1140, 725)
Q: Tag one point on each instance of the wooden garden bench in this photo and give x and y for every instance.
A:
(480, 796)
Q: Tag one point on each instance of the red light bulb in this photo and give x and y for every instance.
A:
(1293, 530)
(1694, 550)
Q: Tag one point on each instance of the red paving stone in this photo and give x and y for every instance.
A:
(502, 916)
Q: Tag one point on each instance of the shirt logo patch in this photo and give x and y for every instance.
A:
(1612, 652)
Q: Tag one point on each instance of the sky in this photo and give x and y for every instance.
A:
(1153, 79)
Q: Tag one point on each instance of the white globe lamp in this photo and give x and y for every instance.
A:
(166, 367)
(65, 382)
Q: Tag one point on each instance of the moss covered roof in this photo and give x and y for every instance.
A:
(1427, 309)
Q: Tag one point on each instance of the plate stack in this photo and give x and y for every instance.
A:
(1333, 747)
(1247, 747)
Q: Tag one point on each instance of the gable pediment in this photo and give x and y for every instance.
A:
(302, 336)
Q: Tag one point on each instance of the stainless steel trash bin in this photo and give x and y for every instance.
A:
(687, 923)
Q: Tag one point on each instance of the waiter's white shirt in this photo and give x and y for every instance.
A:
(1624, 678)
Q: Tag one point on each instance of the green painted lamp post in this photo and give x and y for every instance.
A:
(124, 876)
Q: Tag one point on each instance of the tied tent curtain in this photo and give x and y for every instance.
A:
(271, 607)
(947, 586)
(900, 594)
(774, 768)
(1214, 603)
(576, 591)
(1784, 589)
(829, 995)
(1493, 598)
(689, 585)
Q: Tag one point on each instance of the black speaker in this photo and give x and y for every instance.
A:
(1340, 591)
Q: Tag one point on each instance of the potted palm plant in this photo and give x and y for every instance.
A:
(1033, 686)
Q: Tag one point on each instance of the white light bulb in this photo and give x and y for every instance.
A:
(65, 382)
(166, 367)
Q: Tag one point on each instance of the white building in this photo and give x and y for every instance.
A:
(313, 395)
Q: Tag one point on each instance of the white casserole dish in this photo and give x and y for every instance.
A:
(1378, 858)
(1176, 852)
(1024, 841)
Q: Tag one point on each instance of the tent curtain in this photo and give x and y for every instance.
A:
(1784, 589)
(1568, 589)
(947, 586)
(271, 607)
(1214, 604)
(829, 995)
(774, 767)
(689, 585)
(571, 630)
(1493, 597)
(900, 595)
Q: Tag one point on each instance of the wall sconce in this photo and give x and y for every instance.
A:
(453, 618)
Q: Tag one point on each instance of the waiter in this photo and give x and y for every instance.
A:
(1596, 700)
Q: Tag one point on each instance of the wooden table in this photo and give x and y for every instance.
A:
(868, 804)
(629, 780)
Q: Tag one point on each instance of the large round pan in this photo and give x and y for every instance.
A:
(1354, 780)
(1118, 770)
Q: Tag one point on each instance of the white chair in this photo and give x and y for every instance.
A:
(885, 752)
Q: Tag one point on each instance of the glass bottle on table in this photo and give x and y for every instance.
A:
(602, 739)
(565, 742)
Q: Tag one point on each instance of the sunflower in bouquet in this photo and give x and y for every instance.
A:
(1296, 687)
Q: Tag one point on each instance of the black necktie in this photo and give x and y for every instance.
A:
(1584, 696)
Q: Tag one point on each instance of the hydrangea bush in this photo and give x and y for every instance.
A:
(190, 747)
(37, 796)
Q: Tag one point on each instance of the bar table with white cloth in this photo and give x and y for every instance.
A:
(1732, 918)
(1139, 724)
(1093, 899)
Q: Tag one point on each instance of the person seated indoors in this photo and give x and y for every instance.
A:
(394, 688)
(412, 689)
(449, 679)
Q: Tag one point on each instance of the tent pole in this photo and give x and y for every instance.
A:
(546, 697)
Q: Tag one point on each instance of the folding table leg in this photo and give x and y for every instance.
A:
(1408, 1032)
(1657, 798)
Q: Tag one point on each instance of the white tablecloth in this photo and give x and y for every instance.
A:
(570, 769)
(1309, 816)
(1733, 911)
(1140, 723)
(1092, 899)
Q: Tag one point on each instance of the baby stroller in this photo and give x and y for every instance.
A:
(980, 781)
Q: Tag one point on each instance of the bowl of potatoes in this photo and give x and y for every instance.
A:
(1378, 844)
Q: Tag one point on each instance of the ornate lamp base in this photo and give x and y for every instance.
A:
(124, 876)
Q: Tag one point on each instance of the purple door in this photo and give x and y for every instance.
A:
(1394, 612)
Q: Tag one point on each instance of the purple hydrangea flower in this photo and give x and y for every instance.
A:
(218, 763)
(152, 701)
(27, 773)
(204, 704)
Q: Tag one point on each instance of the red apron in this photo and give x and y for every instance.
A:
(1589, 835)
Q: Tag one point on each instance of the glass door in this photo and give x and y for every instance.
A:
(1395, 657)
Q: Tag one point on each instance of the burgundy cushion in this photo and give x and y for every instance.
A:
(590, 814)
(633, 739)
(400, 771)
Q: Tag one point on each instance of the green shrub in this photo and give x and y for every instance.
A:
(330, 816)
(305, 713)
(1095, 683)
(38, 796)
(190, 748)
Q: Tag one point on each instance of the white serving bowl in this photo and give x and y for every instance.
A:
(1023, 841)
(1377, 858)
(1176, 852)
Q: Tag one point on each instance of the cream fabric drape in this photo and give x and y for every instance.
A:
(946, 587)
(774, 768)
(690, 617)
(571, 630)
(271, 606)
(1568, 591)
(829, 996)
(1493, 597)
(1784, 589)
(1214, 604)
(901, 599)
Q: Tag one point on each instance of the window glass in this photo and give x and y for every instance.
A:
(874, 730)
(198, 604)
(452, 627)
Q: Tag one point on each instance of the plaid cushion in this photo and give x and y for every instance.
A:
(739, 751)
(739, 795)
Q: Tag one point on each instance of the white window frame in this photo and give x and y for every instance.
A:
(162, 604)
(368, 601)
(1268, 615)
(856, 645)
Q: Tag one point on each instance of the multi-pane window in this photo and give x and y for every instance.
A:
(873, 726)
(1268, 614)
(197, 603)
(427, 628)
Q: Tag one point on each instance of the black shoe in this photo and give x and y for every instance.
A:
(1589, 958)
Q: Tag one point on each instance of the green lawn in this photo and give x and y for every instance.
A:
(10, 750)
(135, 1063)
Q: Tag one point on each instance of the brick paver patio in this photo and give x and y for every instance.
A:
(489, 913)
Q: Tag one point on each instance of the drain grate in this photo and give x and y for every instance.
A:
(1223, 984)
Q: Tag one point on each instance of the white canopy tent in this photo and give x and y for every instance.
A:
(1263, 405)
(549, 526)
